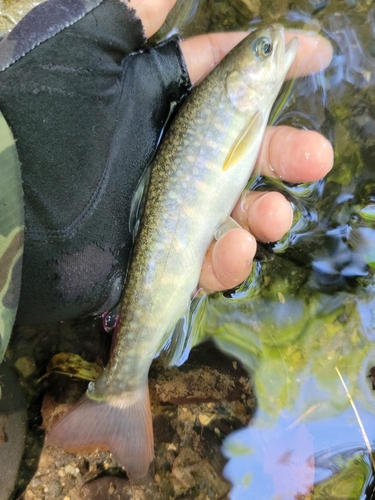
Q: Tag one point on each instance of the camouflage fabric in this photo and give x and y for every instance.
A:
(11, 232)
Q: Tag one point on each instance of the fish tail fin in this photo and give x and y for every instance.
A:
(122, 424)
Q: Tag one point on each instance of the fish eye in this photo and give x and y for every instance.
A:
(262, 47)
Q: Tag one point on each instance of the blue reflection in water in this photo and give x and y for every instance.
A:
(285, 461)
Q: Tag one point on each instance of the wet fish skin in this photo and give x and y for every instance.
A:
(201, 169)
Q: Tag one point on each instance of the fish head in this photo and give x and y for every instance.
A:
(261, 64)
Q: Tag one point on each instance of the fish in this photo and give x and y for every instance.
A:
(201, 168)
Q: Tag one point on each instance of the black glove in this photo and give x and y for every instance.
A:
(87, 113)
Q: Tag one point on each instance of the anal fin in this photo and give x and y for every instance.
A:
(186, 334)
(175, 349)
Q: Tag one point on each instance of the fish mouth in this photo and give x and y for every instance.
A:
(284, 53)
(290, 52)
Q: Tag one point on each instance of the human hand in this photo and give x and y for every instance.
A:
(287, 153)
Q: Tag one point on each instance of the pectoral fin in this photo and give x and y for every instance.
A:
(244, 142)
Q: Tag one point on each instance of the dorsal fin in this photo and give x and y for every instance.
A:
(139, 202)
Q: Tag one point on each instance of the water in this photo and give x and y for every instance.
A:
(306, 316)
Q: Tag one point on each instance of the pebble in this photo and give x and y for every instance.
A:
(25, 365)
(54, 489)
(206, 418)
(186, 415)
(69, 469)
(248, 8)
(35, 482)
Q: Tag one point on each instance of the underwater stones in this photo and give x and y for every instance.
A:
(25, 365)
(248, 8)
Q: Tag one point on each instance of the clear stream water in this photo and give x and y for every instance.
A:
(307, 313)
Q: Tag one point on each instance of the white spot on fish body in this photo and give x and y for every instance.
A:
(172, 194)
(204, 186)
(209, 165)
(138, 313)
(188, 211)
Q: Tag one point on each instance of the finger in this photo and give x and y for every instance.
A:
(294, 155)
(152, 13)
(228, 261)
(202, 53)
(314, 53)
(268, 216)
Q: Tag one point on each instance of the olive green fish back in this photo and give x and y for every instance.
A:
(11, 232)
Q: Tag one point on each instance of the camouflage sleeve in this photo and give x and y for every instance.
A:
(11, 233)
